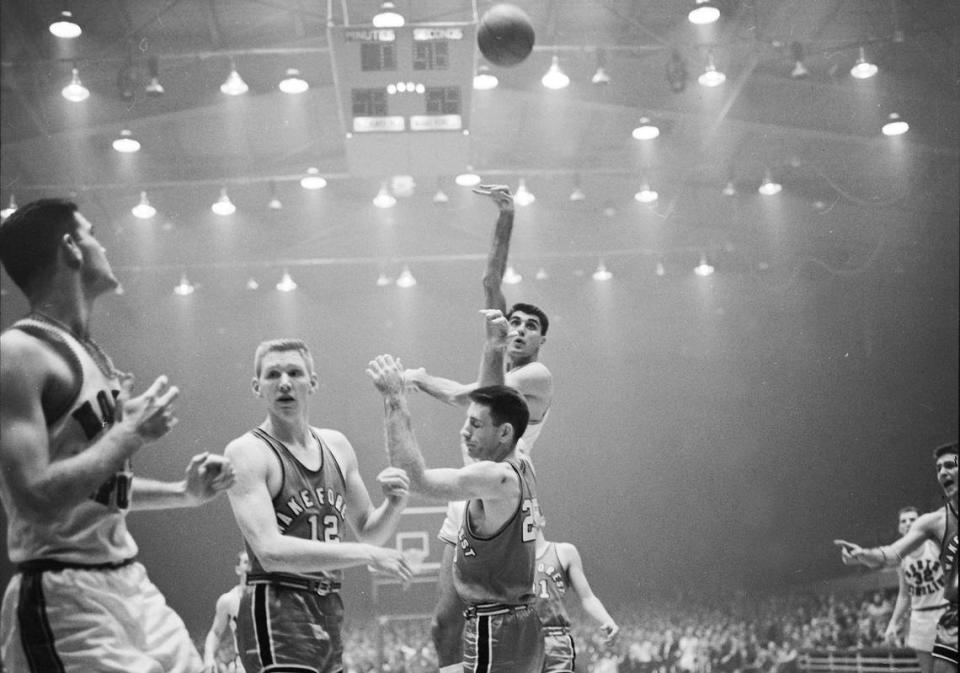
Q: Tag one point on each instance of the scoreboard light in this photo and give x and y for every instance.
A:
(404, 96)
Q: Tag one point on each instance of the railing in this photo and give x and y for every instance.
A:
(859, 661)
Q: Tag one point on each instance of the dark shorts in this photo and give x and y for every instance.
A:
(559, 654)
(502, 639)
(285, 629)
(945, 646)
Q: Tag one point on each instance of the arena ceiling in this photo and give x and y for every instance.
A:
(819, 134)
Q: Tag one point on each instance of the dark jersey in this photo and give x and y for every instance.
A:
(310, 504)
(550, 586)
(948, 554)
(500, 568)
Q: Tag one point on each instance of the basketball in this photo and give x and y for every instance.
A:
(505, 35)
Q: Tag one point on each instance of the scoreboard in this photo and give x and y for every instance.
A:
(404, 96)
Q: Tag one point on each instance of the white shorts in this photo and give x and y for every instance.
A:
(923, 629)
(93, 621)
(450, 530)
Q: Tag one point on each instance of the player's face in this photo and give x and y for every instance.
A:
(947, 474)
(285, 381)
(479, 434)
(906, 520)
(97, 274)
(528, 336)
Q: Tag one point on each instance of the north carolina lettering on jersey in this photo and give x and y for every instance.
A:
(307, 499)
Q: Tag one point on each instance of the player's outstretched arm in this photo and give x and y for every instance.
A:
(570, 558)
(499, 247)
(925, 527)
(207, 476)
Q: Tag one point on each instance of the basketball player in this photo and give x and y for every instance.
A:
(921, 594)
(297, 486)
(939, 526)
(493, 567)
(220, 647)
(524, 372)
(559, 566)
(68, 427)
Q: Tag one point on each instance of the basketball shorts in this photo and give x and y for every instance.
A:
(559, 654)
(92, 621)
(945, 646)
(450, 529)
(922, 631)
(287, 629)
(502, 639)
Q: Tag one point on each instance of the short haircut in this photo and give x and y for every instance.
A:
(30, 237)
(908, 508)
(532, 310)
(281, 346)
(943, 449)
(506, 405)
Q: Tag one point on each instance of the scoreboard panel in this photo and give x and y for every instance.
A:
(404, 96)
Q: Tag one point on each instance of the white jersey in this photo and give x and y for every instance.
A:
(93, 531)
(530, 436)
(924, 577)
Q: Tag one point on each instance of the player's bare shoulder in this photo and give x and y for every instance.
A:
(933, 524)
(339, 445)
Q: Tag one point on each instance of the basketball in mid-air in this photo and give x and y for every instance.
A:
(505, 35)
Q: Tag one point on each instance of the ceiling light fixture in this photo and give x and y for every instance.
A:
(660, 270)
(646, 195)
(388, 16)
(126, 143)
(293, 83)
(602, 273)
(184, 287)
(541, 274)
(313, 179)
(274, 203)
(286, 283)
(895, 126)
(799, 69)
(383, 280)
(577, 194)
(65, 26)
(154, 88)
(468, 179)
(440, 197)
(555, 77)
(234, 84)
(384, 199)
(705, 12)
(75, 92)
(711, 77)
(143, 210)
(484, 80)
(646, 130)
(523, 196)
(223, 205)
(511, 277)
(406, 279)
(10, 209)
(730, 189)
(768, 187)
(703, 269)
(600, 76)
(863, 69)
(252, 284)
